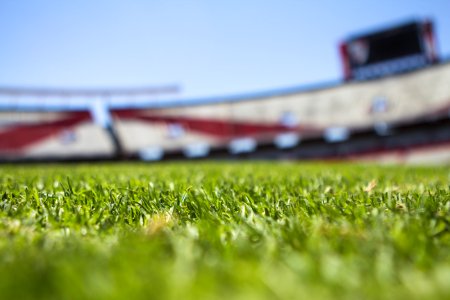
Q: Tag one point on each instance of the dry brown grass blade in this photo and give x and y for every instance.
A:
(370, 186)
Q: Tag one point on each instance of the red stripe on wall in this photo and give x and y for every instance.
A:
(20, 136)
(215, 128)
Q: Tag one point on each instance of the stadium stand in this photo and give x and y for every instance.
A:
(402, 112)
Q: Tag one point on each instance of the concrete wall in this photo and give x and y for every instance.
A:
(354, 106)
(62, 135)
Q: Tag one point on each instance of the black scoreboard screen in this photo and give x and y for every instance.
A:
(391, 51)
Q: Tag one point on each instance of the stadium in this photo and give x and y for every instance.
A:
(393, 105)
(336, 190)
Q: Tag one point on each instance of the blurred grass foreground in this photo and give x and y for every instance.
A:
(225, 231)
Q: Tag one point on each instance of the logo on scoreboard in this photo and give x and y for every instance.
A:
(359, 51)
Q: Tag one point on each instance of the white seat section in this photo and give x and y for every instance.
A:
(151, 153)
(197, 150)
(382, 128)
(336, 134)
(287, 140)
(242, 145)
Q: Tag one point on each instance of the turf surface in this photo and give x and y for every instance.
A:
(224, 230)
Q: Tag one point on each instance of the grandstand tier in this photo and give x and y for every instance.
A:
(286, 119)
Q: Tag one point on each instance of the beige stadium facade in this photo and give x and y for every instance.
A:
(202, 126)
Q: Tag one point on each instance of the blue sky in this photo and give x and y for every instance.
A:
(209, 48)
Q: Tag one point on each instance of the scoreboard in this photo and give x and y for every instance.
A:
(394, 50)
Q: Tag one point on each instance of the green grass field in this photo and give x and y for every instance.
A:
(224, 230)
